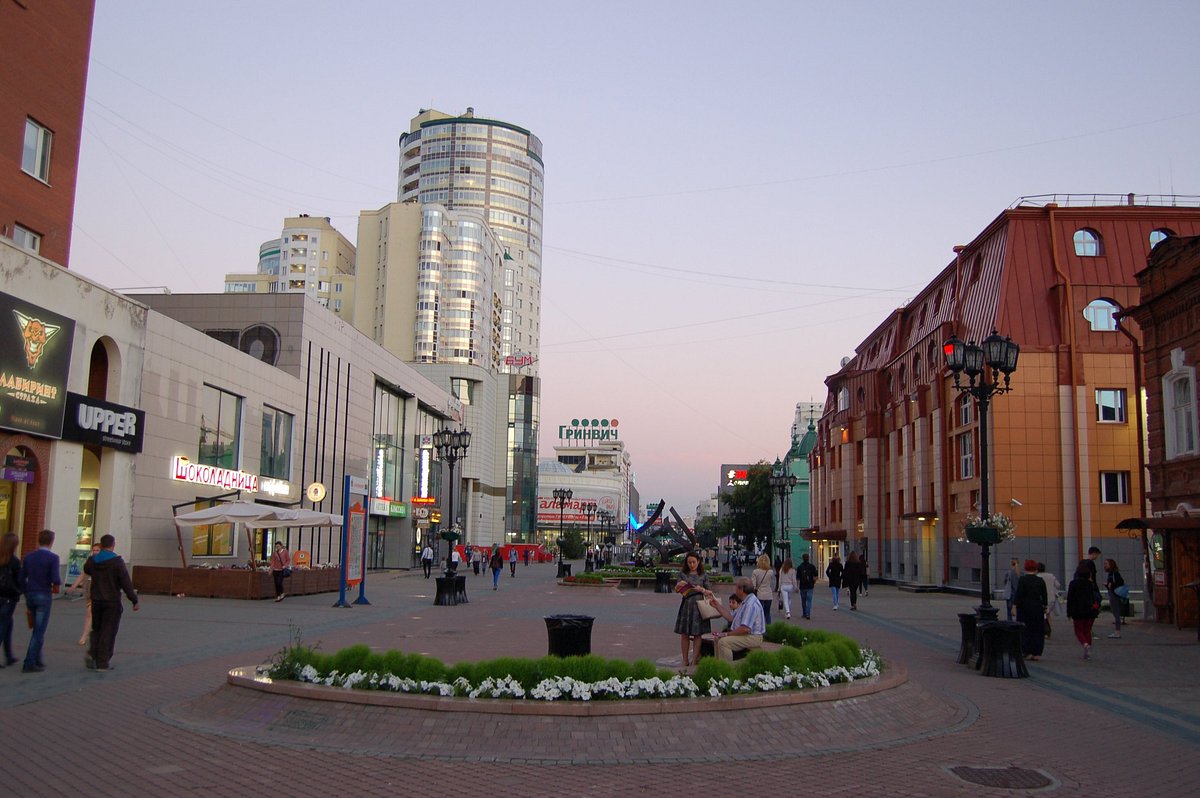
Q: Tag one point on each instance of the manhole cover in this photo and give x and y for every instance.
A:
(1008, 778)
(301, 719)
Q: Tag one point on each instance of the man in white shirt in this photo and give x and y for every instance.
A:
(427, 560)
(746, 625)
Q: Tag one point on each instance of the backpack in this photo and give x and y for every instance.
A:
(8, 581)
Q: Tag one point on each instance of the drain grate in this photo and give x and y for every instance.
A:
(1008, 778)
(301, 719)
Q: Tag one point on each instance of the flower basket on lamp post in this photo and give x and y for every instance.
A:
(982, 535)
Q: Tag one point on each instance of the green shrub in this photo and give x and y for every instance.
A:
(644, 669)
(821, 655)
(351, 659)
(710, 669)
(757, 662)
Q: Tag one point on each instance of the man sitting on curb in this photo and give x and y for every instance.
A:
(746, 624)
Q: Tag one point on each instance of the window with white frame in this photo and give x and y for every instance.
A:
(35, 154)
(966, 455)
(1110, 405)
(220, 428)
(1179, 408)
(1088, 243)
(1114, 487)
(26, 239)
(1101, 315)
(965, 411)
(843, 399)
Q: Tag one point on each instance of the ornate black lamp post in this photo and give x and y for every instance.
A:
(999, 356)
(451, 447)
(781, 485)
(589, 509)
(606, 518)
(561, 497)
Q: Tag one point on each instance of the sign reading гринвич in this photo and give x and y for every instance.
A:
(35, 359)
(585, 431)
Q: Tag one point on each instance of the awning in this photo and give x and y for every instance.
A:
(816, 533)
(257, 515)
(1162, 522)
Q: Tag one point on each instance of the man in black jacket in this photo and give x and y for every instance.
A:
(110, 578)
(806, 580)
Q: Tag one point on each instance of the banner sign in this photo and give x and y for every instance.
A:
(572, 511)
(589, 430)
(35, 360)
(183, 470)
(102, 423)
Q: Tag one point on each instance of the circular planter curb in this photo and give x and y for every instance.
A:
(248, 678)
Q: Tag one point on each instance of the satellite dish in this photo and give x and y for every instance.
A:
(845, 362)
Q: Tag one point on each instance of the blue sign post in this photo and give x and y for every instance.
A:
(354, 540)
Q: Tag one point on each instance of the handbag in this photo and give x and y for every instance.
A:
(707, 611)
(286, 572)
(1122, 591)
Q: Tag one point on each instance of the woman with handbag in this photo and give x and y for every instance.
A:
(763, 579)
(281, 568)
(1082, 607)
(690, 624)
(1030, 601)
(1117, 593)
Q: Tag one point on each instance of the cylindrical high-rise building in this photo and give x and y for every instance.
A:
(495, 168)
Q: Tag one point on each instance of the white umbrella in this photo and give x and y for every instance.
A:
(252, 514)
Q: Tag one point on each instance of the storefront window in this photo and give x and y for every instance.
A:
(214, 540)
(220, 428)
(388, 457)
(276, 443)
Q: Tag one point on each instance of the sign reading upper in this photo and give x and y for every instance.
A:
(102, 423)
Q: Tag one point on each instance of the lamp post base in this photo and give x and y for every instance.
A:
(987, 612)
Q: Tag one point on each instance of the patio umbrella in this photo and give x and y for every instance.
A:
(254, 515)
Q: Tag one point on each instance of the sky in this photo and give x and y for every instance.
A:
(736, 194)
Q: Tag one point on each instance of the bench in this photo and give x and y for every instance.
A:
(707, 648)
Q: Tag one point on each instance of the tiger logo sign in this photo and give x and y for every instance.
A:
(35, 333)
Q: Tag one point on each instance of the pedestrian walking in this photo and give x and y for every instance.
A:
(83, 584)
(512, 561)
(281, 568)
(1082, 606)
(1030, 602)
(10, 592)
(834, 574)
(427, 560)
(806, 581)
(476, 560)
(866, 582)
(40, 580)
(1011, 577)
(1052, 589)
(852, 578)
(1117, 593)
(762, 578)
(526, 553)
(453, 561)
(110, 578)
(496, 563)
(787, 586)
(693, 586)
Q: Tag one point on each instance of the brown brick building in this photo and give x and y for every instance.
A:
(44, 47)
(897, 465)
(1169, 317)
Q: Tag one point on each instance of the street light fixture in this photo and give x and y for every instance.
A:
(999, 355)
(451, 447)
(589, 509)
(561, 497)
(782, 485)
(606, 518)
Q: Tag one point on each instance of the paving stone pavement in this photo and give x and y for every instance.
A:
(163, 723)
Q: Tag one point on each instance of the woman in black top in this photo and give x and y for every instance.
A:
(834, 572)
(10, 592)
(1082, 607)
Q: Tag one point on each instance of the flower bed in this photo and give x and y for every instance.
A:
(808, 658)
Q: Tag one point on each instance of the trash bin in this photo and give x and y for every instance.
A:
(966, 647)
(569, 635)
(662, 581)
(564, 570)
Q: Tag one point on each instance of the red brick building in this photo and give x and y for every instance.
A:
(1168, 314)
(44, 46)
(896, 470)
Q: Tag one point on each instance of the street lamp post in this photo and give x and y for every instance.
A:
(589, 509)
(561, 497)
(781, 484)
(605, 517)
(451, 447)
(999, 355)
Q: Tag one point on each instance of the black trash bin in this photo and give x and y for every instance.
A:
(662, 582)
(569, 635)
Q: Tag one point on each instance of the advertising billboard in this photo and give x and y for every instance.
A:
(35, 359)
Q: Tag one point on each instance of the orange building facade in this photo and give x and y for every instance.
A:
(896, 469)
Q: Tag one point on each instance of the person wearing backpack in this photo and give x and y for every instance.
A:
(834, 572)
(806, 582)
(1082, 606)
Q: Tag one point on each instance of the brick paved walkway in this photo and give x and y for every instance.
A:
(1125, 723)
